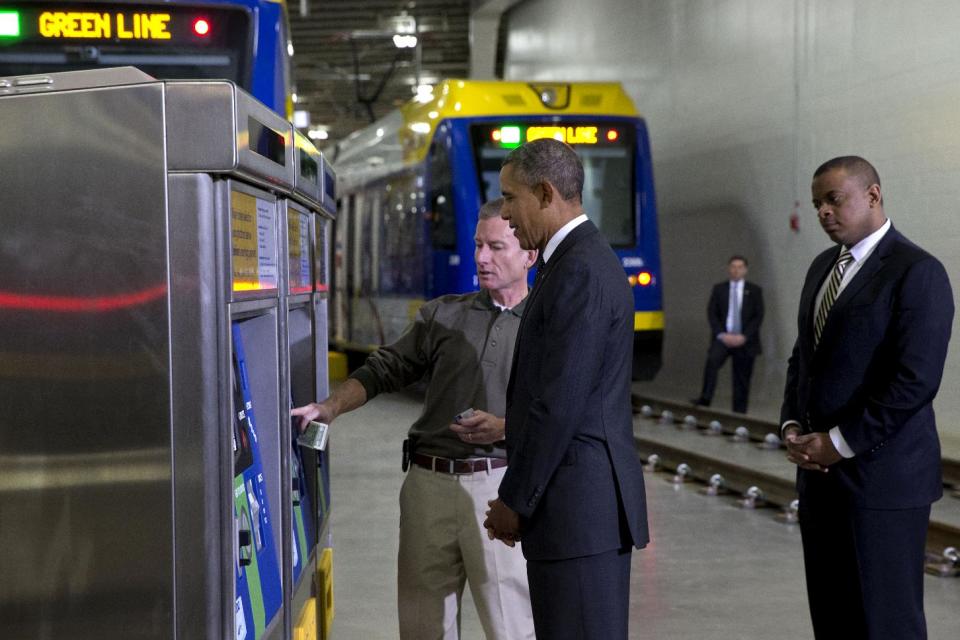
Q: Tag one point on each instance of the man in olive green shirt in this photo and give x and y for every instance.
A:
(463, 346)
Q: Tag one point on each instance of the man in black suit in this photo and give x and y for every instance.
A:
(875, 318)
(735, 313)
(573, 489)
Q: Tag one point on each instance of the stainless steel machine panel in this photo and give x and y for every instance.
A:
(307, 170)
(74, 80)
(119, 287)
(85, 502)
(214, 127)
(328, 201)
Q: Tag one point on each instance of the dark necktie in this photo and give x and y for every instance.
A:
(830, 294)
(541, 267)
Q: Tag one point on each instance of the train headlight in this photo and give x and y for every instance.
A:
(644, 278)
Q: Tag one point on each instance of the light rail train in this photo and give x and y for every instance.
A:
(411, 185)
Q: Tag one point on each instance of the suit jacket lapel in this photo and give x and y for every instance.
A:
(572, 238)
(580, 231)
(866, 272)
(724, 295)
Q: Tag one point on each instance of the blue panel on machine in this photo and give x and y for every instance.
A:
(258, 589)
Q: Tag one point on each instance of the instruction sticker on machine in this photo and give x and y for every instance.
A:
(298, 235)
(254, 242)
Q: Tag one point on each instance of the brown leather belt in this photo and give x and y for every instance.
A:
(457, 467)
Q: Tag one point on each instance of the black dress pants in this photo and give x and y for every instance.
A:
(584, 598)
(864, 570)
(742, 371)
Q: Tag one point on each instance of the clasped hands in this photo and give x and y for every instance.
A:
(732, 340)
(502, 523)
(811, 451)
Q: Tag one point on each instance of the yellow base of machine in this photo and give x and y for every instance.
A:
(325, 593)
(306, 627)
(337, 366)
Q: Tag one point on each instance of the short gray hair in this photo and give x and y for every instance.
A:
(548, 160)
(491, 209)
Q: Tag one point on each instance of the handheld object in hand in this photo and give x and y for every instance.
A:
(315, 436)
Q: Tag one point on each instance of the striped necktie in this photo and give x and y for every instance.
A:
(830, 294)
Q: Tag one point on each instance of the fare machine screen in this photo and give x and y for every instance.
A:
(255, 269)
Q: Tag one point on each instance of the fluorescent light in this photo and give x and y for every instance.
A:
(301, 119)
(318, 134)
(404, 42)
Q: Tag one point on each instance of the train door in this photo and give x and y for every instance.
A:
(443, 266)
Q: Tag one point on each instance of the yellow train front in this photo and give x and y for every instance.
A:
(411, 185)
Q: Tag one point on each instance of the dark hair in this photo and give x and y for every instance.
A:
(490, 209)
(740, 258)
(548, 160)
(853, 165)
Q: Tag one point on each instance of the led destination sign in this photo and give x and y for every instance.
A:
(570, 135)
(574, 133)
(107, 23)
(104, 26)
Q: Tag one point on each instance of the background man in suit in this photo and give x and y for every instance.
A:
(874, 323)
(735, 312)
(574, 485)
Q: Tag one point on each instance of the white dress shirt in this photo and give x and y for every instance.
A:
(561, 233)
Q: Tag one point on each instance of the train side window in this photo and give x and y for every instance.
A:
(443, 222)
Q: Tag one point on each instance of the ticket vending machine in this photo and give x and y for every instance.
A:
(152, 340)
(300, 369)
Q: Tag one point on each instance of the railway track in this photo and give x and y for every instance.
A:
(743, 459)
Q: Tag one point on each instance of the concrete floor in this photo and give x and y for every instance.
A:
(713, 570)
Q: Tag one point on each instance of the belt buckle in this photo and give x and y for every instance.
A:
(447, 462)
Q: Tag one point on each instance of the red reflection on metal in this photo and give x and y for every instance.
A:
(301, 289)
(69, 304)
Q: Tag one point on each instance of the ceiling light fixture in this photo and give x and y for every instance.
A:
(404, 41)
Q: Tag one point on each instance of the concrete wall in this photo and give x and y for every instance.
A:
(744, 99)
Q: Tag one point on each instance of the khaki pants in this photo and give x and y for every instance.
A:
(442, 546)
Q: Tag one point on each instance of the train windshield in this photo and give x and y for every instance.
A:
(167, 41)
(607, 152)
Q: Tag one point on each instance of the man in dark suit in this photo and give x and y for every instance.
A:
(735, 312)
(874, 323)
(573, 489)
